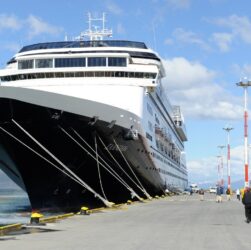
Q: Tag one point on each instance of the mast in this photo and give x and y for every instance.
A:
(94, 32)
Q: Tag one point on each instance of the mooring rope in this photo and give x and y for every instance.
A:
(143, 189)
(106, 202)
(111, 171)
(99, 175)
(41, 156)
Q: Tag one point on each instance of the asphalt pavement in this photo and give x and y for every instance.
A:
(177, 222)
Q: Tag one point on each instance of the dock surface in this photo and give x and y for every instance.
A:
(177, 222)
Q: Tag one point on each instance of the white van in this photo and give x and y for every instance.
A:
(194, 187)
(212, 190)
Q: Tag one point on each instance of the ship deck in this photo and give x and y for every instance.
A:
(178, 222)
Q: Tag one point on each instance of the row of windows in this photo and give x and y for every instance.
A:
(80, 44)
(171, 174)
(177, 167)
(73, 62)
(79, 74)
(172, 155)
(155, 155)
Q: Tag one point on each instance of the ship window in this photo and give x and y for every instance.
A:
(89, 74)
(14, 78)
(69, 74)
(59, 74)
(146, 75)
(69, 62)
(157, 144)
(119, 74)
(153, 75)
(138, 75)
(43, 63)
(109, 73)
(117, 61)
(25, 64)
(30, 76)
(79, 74)
(131, 74)
(5, 79)
(96, 61)
(49, 75)
(100, 74)
(148, 136)
(149, 109)
(156, 119)
(150, 126)
(40, 75)
(165, 150)
(23, 77)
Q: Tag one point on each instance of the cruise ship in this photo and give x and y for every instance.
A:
(87, 122)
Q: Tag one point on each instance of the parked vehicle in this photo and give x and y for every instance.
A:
(194, 188)
(212, 190)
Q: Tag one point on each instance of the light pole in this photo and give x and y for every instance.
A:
(228, 129)
(245, 86)
(221, 164)
(218, 168)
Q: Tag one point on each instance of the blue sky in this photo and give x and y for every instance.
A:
(205, 46)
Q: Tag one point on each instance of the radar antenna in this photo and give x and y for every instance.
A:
(94, 32)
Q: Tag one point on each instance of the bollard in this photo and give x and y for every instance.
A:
(84, 211)
(35, 217)
(129, 202)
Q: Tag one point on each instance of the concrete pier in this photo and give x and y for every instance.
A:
(178, 222)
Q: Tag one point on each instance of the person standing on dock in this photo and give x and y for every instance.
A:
(246, 200)
(242, 192)
(228, 192)
(238, 194)
(201, 193)
(218, 194)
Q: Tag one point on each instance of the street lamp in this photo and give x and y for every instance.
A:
(218, 168)
(228, 129)
(245, 86)
(221, 164)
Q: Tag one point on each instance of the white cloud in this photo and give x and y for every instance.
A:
(240, 26)
(179, 4)
(9, 22)
(169, 41)
(113, 8)
(38, 27)
(206, 169)
(14, 47)
(223, 41)
(183, 73)
(192, 86)
(243, 71)
(33, 25)
(189, 37)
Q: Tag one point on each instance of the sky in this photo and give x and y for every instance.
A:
(205, 47)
